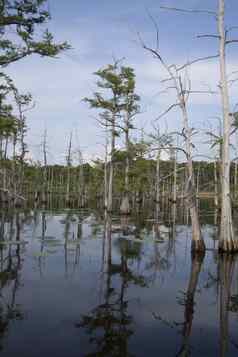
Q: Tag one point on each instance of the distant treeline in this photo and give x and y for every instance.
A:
(83, 185)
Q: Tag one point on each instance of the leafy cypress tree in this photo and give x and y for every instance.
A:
(117, 100)
(109, 101)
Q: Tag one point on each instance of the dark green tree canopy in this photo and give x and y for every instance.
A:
(23, 17)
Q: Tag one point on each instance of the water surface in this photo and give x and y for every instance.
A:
(70, 288)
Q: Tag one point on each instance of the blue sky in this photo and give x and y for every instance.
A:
(99, 30)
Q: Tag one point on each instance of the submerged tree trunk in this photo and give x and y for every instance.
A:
(226, 240)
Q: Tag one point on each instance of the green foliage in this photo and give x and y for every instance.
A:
(109, 99)
(12, 119)
(117, 95)
(25, 17)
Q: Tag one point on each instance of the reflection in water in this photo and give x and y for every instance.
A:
(10, 268)
(109, 324)
(71, 242)
(189, 304)
(226, 268)
(100, 281)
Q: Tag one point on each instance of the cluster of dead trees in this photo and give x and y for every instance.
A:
(112, 80)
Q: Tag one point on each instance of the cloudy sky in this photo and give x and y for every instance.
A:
(101, 30)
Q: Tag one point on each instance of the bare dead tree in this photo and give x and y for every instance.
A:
(69, 164)
(227, 242)
(159, 142)
(80, 178)
(182, 88)
(44, 147)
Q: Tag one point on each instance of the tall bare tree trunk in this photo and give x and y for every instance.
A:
(68, 170)
(111, 166)
(175, 178)
(235, 180)
(44, 193)
(157, 186)
(125, 205)
(226, 241)
(236, 170)
(197, 240)
(81, 183)
(105, 172)
(182, 96)
(216, 201)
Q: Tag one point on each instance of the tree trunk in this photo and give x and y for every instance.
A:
(44, 199)
(125, 205)
(68, 171)
(197, 240)
(111, 166)
(216, 200)
(226, 239)
(105, 173)
(157, 188)
(175, 179)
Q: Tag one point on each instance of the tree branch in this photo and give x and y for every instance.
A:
(228, 42)
(208, 36)
(197, 60)
(191, 11)
(167, 110)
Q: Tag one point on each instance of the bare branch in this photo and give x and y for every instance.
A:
(166, 80)
(156, 28)
(208, 36)
(171, 148)
(228, 42)
(232, 73)
(167, 110)
(154, 52)
(231, 28)
(232, 81)
(200, 92)
(197, 60)
(191, 11)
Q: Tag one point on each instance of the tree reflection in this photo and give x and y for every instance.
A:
(10, 268)
(226, 268)
(189, 304)
(110, 325)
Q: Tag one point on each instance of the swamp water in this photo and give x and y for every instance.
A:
(69, 289)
